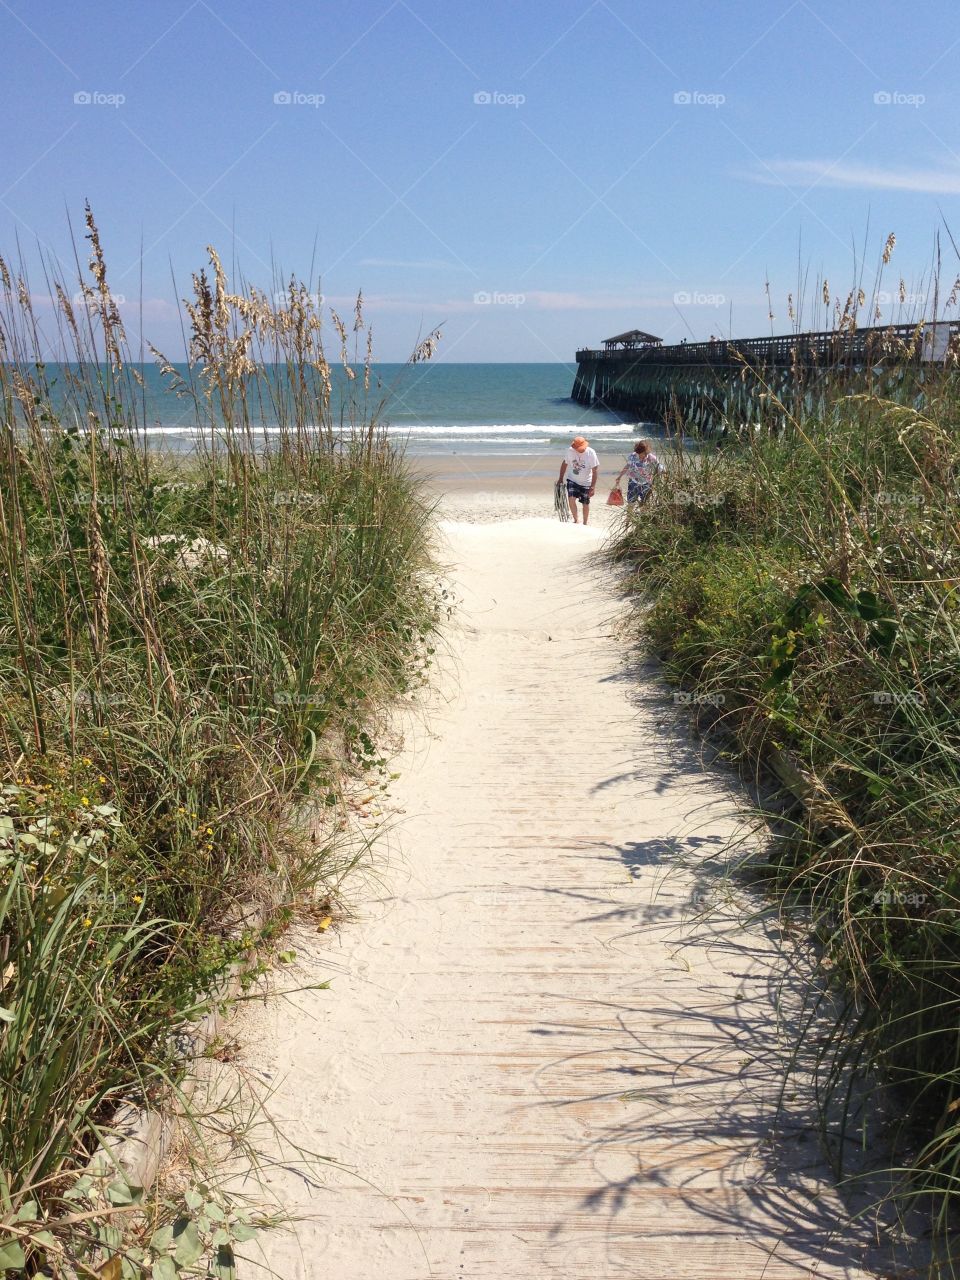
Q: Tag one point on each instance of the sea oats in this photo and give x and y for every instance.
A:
(340, 328)
(25, 392)
(221, 310)
(344, 355)
(114, 336)
(323, 368)
(66, 306)
(166, 368)
(424, 350)
(888, 247)
(201, 321)
(98, 559)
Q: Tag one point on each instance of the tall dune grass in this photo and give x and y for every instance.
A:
(803, 585)
(193, 655)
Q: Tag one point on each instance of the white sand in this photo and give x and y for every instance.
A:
(531, 953)
(491, 506)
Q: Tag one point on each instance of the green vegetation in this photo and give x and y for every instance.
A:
(803, 586)
(193, 655)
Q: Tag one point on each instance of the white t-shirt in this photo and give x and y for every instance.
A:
(580, 465)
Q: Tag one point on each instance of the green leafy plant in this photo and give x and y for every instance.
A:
(809, 602)
(194, 653)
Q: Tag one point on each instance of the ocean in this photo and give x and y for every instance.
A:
(441, 409)
(493, 409)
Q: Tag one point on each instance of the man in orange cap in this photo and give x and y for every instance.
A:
(584, 466)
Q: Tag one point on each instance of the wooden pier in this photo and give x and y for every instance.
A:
(700, 385)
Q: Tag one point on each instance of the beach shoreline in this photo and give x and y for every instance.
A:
(483, 490)
(471, 473)
(476, 489)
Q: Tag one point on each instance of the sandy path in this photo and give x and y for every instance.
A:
(530, 955)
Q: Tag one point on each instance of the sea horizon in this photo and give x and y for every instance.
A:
(455, 408)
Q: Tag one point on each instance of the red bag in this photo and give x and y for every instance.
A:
(615, 499)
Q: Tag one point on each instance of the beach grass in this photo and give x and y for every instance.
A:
(195, 654)
(802, 587)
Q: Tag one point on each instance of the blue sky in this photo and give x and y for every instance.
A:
(535, 176)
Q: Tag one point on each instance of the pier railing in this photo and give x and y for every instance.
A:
(878, 344)
(704, 385)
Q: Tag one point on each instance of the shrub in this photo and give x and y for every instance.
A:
(815, 582)
(193, 653)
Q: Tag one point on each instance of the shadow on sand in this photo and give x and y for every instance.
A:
(718, 1093)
